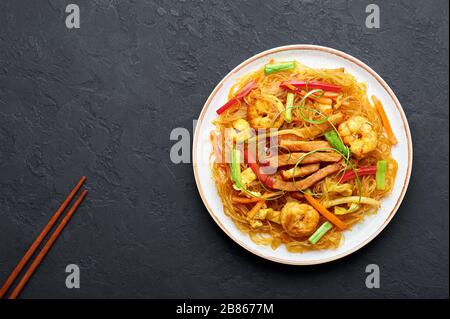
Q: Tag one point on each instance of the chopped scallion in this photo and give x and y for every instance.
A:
(276, 67)
(320, 232)
(236, 168)
(380, 176)
(336, 142)
(289, 104)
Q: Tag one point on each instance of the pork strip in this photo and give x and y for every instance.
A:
(292, 158)
(308, 181)
(300, 171)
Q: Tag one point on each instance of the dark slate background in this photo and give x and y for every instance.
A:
(102, 100)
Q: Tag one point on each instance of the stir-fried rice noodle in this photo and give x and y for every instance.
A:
(351, 101)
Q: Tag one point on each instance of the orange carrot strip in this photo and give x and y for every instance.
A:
(246, 200)
(255, 209)
(291, 87)
(385, 120)
(325, 213)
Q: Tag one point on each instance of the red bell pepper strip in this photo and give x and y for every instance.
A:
(266, 179)
(238, 97)
(299, 85)
(362, 171)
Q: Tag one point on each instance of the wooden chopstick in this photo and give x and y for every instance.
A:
(40, 238)
(53, 237)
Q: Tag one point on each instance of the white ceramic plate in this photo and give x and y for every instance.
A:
(317, 57)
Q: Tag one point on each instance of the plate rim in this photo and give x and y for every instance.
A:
(378, 78)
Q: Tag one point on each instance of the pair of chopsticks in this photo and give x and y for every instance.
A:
(34, 246)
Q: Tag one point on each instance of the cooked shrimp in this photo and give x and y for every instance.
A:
(265, 112)
(358, 133)
(299, 220)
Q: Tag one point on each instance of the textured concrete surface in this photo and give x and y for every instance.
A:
(102, 100)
